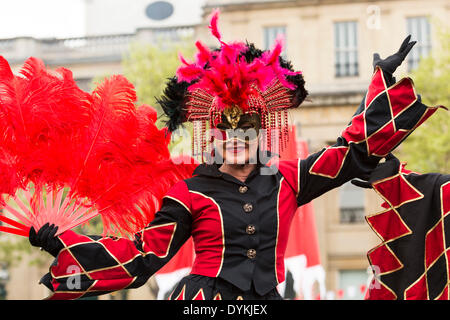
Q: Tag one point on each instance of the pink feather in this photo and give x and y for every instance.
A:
(271, 58)
(203, 55)
(213, 25)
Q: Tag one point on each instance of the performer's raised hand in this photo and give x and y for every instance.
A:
(389, 167)
(391, 63)
(45, 239)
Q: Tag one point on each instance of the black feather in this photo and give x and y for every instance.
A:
(172, 102)
(252, 53)
(300, 93)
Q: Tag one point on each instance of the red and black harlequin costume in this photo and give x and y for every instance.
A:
(240, 229)
(412, 261)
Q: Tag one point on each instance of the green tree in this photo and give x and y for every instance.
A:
(428, 148)
(149, 66)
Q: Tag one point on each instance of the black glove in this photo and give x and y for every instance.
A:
(45, 238)
(361, 183)
(390, 64)
(383, 170)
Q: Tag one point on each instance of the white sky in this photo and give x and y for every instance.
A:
(41, 18)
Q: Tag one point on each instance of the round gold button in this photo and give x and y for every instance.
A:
(251, 229)
(251, 253)
(243, 189)
(248, 207)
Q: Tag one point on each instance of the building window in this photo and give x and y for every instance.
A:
(87, 84)
(420, 30)
(270, 35)
(351, 204)
(346, 48)
(353, 284)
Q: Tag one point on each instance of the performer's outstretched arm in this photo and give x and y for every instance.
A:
(92, 265)
(388, 113)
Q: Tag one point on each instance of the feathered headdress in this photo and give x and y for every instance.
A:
(237, 77)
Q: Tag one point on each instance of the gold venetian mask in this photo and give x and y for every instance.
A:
(233, 115)
(238, 126)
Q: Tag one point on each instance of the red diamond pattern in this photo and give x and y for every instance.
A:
(330, 162)
(160, 238)
(384, 254)
(434, 244)
(376, 87)
(388, 225)
(418, 290)
(445, 199)
(396, 190)
(444, 295)
(400, 97)
(113, 277)
(356, 132)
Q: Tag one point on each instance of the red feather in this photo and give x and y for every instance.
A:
(106, 146)
(9, 179)
(139, 195)
(127, 168)
(110, 155)
(40, 112)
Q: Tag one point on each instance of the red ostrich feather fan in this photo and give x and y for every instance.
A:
(67, 155)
